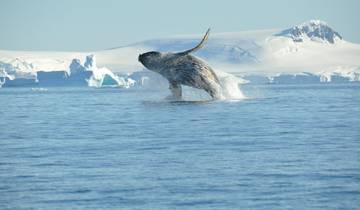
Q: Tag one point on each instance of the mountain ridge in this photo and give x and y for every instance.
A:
(315, 30)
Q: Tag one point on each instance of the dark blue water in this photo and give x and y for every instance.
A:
(286, 147)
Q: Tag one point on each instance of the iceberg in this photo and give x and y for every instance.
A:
(300, 78)
(103, 77)
(87, 74)
(52, 78)
(76, 67)
(20, 82)
(76, 76)
(339, 76)
(19, 73)
(16, 73)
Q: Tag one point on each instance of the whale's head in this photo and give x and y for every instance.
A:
(151, 60)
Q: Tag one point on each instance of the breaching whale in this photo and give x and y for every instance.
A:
(183, 68)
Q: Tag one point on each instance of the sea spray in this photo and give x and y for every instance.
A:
(230, 86)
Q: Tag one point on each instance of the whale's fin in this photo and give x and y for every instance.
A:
(200, 45)
(175, 89)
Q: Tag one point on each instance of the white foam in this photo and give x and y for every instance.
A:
(39, 89)
(230, 86)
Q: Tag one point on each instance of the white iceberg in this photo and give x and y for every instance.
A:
(104, 77)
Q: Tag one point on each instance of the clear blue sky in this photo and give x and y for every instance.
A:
(80, 25)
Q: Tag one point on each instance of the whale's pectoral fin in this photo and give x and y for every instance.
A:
(175, 89)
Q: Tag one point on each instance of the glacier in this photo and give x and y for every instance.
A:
(311, 52)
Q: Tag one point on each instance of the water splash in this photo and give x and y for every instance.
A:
(231, 86)
(230, 90)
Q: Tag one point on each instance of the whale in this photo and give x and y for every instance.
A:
(183, 68)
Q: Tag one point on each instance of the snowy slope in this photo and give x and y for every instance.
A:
(312, 47)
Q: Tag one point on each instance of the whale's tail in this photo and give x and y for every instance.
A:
(199, 46)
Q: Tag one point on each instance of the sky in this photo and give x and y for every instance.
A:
(88, 25)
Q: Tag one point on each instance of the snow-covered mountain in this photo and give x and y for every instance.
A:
(311, 51)
(314, 30)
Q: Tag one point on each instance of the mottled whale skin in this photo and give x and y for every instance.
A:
(183, 69)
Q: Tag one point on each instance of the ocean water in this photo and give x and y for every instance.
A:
(284, 147)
